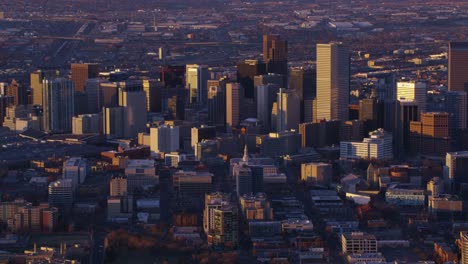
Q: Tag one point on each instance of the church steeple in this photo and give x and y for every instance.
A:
(246, 155)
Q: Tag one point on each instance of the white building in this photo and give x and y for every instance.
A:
(377, 146)
(75, 169)
(164, 139)
(413, 91)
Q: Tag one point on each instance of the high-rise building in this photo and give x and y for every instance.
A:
(430, 136)
(304, 82)
(87, 124)
(246, 71)
(94, 95)
(134, 103)
(234, 97)
(332, 81)
(317, 173)
(455, 177)
(61, 193)
(352, 130)
(275, 55)
(279, 144)
(456, 106)
(118, 186)
(288, 114)
(81, 72)
(226, 227)
(413, 91)
(153, 91)
(464, 247)
(196, 83)
(377, 146)
(173, 76)
(17, 91)
(267, 94)
(320, 133)
(213, 201)
(217, 101)
(200, 133)
(243, 176)
(75, 169)
(207, 148)
(192, 182)
(406, 111)
(164, 139)
(457, 66)
(371, 111)
(5, 102)
(36, 79)
(113, 122)
(58, 104)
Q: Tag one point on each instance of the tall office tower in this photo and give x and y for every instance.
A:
(243, 176)
(153, 91)
(140, 174)
(304, 82)
(5, 101)
(164, 139)
(135, 112)
(173, 76)
(110, 94)
(234, 97)
(458, 66)
(406, 112)
(196, 83)
(456, 107)
(75, 169)
(87, 124)
(61, 193)
(288, 116)
(58, 104)
(94, 95)
(246, 71)
(320, 133)
(18, 92)
(430, 136)
(200, 133)
(266, 95)
(332, 81)
(81, 103)
(455, 177)
(226, 227)
(175, 104)
(217, 100)
(413, 91)
(270, 78)
(81, 72)
(118, 186)
(275, 55)
(371, 112)
(113, 122)
(213, 201)
(36, 84)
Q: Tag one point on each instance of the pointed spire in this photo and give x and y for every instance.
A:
(246, 155)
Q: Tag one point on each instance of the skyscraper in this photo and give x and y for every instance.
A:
(18, 92)
(406, 111)
(304, 82)
(153, 91)
(458, 66)
(196, 83)
(234, 95)
(135, 112)
(332, 81)
(413, 91)
(275, 55)
(217, 101)
(288, 115)
(81, 72)
(164, 139)
(430, 136)
(455, 105)
(266, 96)
(58, 104)
(113, 119)
(246, 71)
(36, 79)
